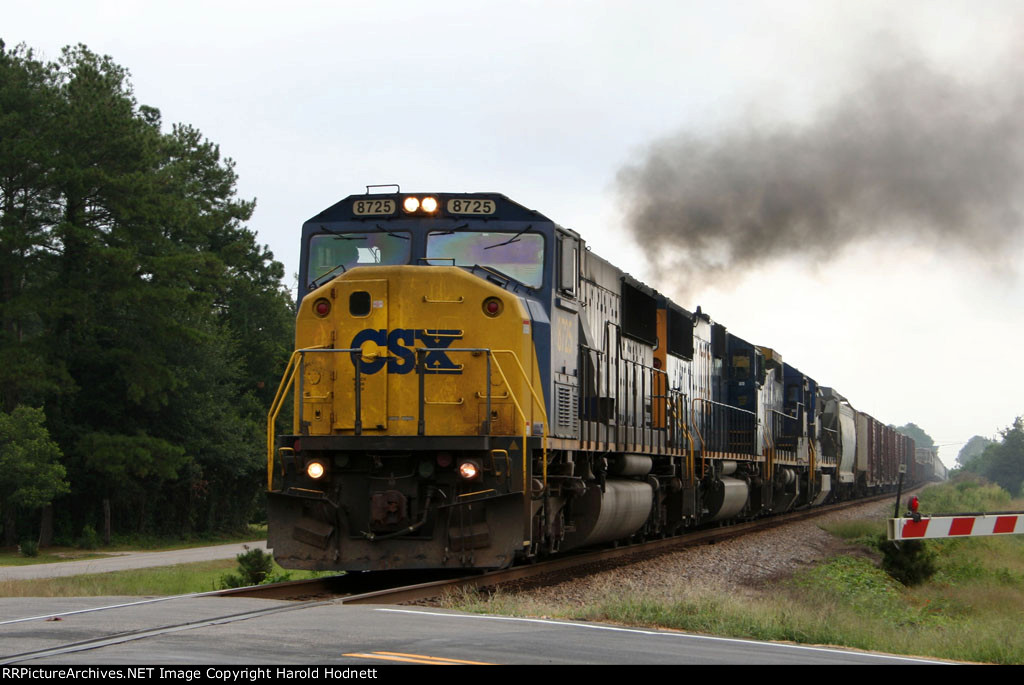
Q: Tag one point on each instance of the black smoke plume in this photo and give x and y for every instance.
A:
(909, 154)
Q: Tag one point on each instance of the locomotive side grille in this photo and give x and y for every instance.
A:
(566, 420)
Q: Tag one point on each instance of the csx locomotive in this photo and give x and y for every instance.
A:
(472, 387)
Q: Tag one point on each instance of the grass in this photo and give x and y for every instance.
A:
(859, 531)
(9, 556)
(163, 580)
(969, 611)
(50, 555)
(152, 543)
(180, 579)
(966, 495)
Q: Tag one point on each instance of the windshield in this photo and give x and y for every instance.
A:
(330, 251)
(519, 255)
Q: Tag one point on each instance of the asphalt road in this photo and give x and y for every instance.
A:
(127, 561)
(218, 630)
(340, 634)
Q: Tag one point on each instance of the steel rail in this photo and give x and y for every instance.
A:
(129, 636)
(379, 587)
(428, 590)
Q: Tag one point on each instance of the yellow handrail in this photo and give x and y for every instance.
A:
(522, 414)
(275, 408)
(292, 368)
(689, 438)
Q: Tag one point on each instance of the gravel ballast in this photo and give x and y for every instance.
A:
(745, 564)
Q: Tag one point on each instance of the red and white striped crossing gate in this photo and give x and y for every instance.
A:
(956, 526)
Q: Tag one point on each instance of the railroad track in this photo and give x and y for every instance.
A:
(420, 587)
(390, 587)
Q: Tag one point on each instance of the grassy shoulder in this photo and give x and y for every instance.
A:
(180, 579)
(969, 610)
(11, 556)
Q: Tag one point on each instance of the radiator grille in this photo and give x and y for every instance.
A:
(566, 422)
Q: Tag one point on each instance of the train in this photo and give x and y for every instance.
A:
(472, 388)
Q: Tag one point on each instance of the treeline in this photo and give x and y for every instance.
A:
(143, 327)
(1000, 462)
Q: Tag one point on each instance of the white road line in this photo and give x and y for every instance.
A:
(641, 631)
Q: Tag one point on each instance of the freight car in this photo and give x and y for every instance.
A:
(472, 387)
(928, 466)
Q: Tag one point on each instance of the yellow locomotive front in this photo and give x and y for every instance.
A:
(415, 391)
(373, 322)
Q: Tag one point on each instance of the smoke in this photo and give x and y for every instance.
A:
(908, 154)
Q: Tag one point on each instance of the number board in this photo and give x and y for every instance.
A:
(471, 206)
(376, 207)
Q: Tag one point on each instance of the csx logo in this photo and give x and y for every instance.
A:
(401, 358)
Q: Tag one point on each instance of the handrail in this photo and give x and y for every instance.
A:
(685, 429)
(690, 460)
(781, 418)
(540, 406)
(700, 436)
(769, 456)
(811, 459)
(696, 426)
(275, 407)
(295, 364)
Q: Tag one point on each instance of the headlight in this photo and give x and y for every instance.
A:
(469, 470)
(315, 470)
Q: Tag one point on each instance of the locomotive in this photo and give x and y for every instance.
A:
(472, 387)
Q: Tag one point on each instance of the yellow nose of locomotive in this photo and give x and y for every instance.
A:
(412, 350)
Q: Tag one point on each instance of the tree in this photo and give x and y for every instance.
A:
(1003, 462)
(30, 475)
(917, 434)
(28, 211)
(136, 306)
(972, 448)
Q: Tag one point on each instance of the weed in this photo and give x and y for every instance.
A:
(254, 568)
(858, 531)
(910, 562)
(89, 539)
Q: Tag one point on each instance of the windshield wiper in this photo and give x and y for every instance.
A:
(513, 239)
(393, 235)
(342, 235)
(450, 230)
(313, 284)
(501, 274)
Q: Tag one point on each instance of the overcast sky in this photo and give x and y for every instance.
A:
(547, 102)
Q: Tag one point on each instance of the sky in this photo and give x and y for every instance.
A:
(553, 103)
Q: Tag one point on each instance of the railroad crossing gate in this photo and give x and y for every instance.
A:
(956, 526)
